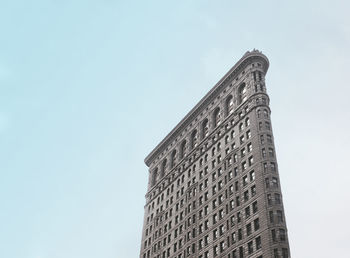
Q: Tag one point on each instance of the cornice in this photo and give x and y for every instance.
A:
(248, 58)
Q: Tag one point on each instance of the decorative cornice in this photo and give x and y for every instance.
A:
(248, 58)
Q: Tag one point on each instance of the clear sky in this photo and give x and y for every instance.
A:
(89, 88)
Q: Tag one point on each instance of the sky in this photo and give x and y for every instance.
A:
(89, 88)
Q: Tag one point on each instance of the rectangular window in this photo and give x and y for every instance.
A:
(273, 166)
(269, 138)
(255, 207)
(282, 234)
(279, 217)
(250, 247)
(252, 175)
(256, 224)
(245, 180)
(249, 229)
(277, 198)
(249, 134)
(258, 243)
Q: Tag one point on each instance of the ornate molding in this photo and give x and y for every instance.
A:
(248, 58)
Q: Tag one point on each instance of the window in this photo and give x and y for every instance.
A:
(163, 168)
(282, 234)
(221, 229)
(251, 160)
(200, 244)
(229, 105)
(216, 117)
(215, 218)
(205, 128)
(249, 134)
(262, 141)
(277, 198)
(250, 247)
(232, 224)
(265, 166)
(244, 166)
(222, 246)
(241, 252)
(173, 159)
(247, 122)
(245, 180)
(249, 229)
(183, 149)
(258, 243)
(194, 138)
(284, 253)
(267, 126)
(271, 154)
(242, 152)
(232, 204)
(233, 134)
(273, 166)
(221, 214)
(274, 182)
(271, 216)
(252, 175)
(269, 199)
(266, 114)
(240, 235)
(253, 190)
(215, 250)
(241, 127)
(273, 234)
(279, 217)
(246, 196)
(242, 93)
(215, 234)
(256, 224)
(255, 207)
(250, 147)
(269, 138)
(247, 212)
(233, 237)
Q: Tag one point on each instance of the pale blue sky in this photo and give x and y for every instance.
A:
(88, 88)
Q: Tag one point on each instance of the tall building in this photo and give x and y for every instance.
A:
(214, 187)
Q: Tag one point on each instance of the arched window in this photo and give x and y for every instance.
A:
(194, 138)
(216, 117)
(229, 105)
(233, 134)
(173, 159)
(163, 168)
(258, 113)
(154, 176)
(242, 93)
(205, 128)
(183, 148)
(266, 114)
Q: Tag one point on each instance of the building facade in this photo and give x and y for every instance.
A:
(214, 187)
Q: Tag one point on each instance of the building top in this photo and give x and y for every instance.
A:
(248, 58)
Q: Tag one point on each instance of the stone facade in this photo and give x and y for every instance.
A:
(213, 187)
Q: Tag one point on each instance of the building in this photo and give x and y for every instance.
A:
(214, 187)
